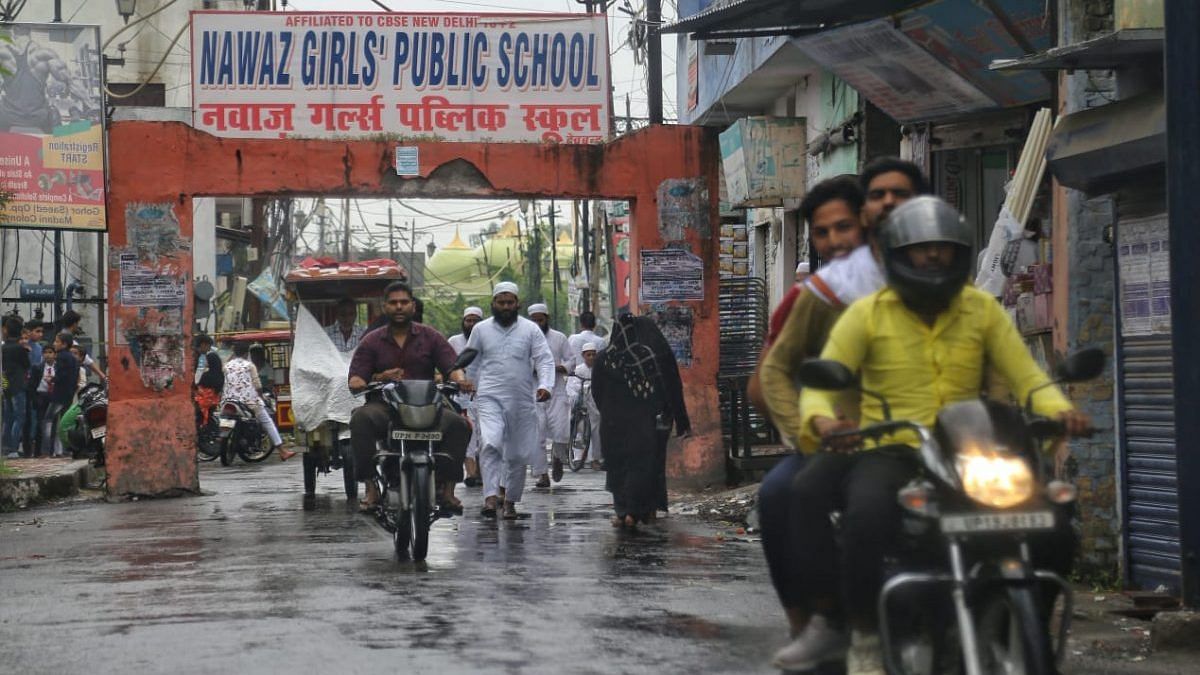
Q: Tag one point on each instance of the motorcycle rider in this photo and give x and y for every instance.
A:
(921, 342)
(243, 385)
(405, 350)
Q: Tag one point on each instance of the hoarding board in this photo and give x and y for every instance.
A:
(51, 127)
(451, 77)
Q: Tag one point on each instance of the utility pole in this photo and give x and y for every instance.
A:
(346, 230)
(553, 263)
(320, 209)
(585, 234)
(654, 61)
(599, 245)
(391, 234)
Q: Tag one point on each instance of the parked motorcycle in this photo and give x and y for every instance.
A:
(404, 462)
(963, 591)
(86, 439)
(241, 435)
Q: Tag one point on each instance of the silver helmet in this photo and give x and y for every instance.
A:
(926, 220)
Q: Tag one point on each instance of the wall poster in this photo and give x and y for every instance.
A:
(1143, 259)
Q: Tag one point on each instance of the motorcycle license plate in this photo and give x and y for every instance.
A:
(99, 432)
(227, 423)
(416, 435)
(997, 522)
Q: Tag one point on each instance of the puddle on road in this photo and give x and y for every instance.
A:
(666, 624)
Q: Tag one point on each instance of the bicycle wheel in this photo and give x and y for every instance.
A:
(581, 436)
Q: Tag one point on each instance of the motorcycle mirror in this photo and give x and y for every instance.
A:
(825, 374)
(464, 359)
(1082, 365)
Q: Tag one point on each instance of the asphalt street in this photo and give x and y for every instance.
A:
(245, 579)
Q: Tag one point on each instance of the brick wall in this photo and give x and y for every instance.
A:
(1090, 323)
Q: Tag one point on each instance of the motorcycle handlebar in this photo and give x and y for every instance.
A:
(1048, 428)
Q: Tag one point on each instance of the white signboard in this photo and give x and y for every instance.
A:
(1143, 256)
(670, 274)
(450, 77)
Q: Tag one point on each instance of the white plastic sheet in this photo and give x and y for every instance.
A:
(319, 372)
(991, 277)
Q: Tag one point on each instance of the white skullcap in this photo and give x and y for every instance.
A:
(538, 308)
(472, 311)
(587, 347)
(505, 287)
(802, 268)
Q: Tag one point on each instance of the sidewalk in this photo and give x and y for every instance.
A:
(28, 482)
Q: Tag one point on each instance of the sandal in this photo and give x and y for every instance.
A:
(489, 508)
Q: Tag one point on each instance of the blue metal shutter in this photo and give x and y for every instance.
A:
(1149, 480)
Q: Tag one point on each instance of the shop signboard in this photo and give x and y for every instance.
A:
(533, 78)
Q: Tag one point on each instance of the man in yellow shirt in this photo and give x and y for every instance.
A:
(922, 342)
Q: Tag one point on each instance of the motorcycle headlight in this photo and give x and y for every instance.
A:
(994, 478)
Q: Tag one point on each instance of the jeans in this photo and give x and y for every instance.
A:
(776, 506)
(51, 444)
(15, 413)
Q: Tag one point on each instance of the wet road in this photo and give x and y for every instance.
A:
(243, 579)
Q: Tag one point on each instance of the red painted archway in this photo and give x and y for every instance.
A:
(156, 168)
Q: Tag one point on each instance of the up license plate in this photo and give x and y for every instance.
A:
(416, 435)
(99, 432)
(997, 522)
(227, 423)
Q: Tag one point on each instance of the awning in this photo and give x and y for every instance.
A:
(1122, 48)
(729, 19)
(1092, 149)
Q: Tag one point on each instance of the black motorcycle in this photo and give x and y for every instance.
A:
(240, 434)
(87, 439)
(963, 592)
(404, 462)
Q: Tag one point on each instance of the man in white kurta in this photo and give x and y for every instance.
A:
(507, 390)
(580, 386)
(471, 316)
(554, 416)
(587, 333)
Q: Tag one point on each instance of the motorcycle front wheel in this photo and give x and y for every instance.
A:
(1012, 635)
(421, 510)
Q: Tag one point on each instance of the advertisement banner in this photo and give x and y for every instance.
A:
(51, 127)
(531, 78)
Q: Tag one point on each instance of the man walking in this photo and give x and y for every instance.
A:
(554, 416)
(471, 316)
(506, 391)
(587, 333)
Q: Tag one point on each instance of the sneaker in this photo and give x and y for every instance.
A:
(865, 656)
(13, 455)
(817, 643)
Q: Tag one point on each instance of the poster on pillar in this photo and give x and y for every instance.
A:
(51, 127)
(531, 78)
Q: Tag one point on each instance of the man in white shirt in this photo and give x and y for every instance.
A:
(507, 391)
(554, 416)
(587, 333)
(346, 332)
(471, 316)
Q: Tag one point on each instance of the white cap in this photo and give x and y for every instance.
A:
(505, 287)
(588, 347)
(538, 308)
(802, 268)
(472, 311)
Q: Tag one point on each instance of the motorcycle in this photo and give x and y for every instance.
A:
(86, 439)
(404, 462)
(240, 434)
(963, 592)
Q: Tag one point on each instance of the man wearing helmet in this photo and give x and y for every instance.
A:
(922, 342)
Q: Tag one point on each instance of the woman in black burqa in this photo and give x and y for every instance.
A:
(637, 390)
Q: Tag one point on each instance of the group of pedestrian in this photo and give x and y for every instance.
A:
(41, 381)
(243, 379)
(518, 394)
(892, 302)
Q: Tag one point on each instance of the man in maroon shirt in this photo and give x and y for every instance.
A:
(405, 350)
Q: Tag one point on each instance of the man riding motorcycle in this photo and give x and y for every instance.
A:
(922, 342)
(403, 349)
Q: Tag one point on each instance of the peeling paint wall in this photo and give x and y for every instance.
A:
(152, 440)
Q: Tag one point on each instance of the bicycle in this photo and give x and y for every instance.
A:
(581, 427)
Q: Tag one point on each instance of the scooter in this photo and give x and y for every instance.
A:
(404, 462)
(963, 592)
(87, 439)
(240, 434)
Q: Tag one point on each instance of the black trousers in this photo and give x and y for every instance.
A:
(369, 424)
